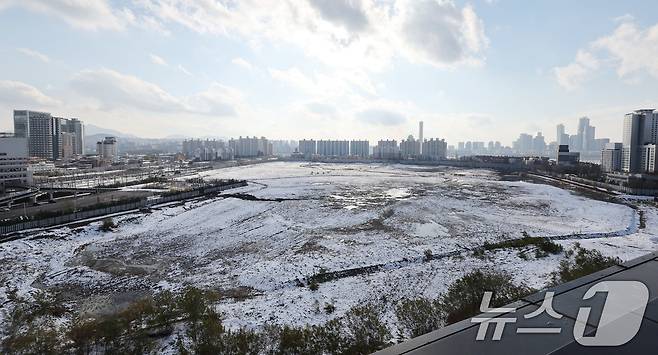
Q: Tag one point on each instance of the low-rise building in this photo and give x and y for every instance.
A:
(611, 157)
(14, 162)
(567, 158)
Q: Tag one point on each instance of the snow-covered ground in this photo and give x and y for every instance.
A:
(329, 217)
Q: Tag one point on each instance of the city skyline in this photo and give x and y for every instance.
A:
(357, 69)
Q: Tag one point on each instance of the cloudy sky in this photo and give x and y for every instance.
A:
(472, 70)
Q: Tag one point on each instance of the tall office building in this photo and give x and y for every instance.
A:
(559, 134)
(39, 129)
(524, 143)
(640, 133)
(46, 134)
(77, 130)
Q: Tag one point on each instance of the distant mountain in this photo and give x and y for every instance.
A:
(91, 130)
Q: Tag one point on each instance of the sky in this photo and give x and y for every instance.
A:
(349, 69)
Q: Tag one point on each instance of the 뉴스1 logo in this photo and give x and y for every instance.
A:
(621, 317)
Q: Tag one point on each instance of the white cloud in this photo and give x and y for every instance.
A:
(184, 70)
(242, 63)
(440, 33)
(631, 50)
(84, 14)
(16, 93)
(381, 117)
(348, 13)
(113, 90)
(158, 60)
(218, 100)
(573, 75)
(34, 54)
(353, 34)
(339, 83)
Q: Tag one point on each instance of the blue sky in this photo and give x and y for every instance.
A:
(472, 70)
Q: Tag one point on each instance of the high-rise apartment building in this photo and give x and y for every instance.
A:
(434, 149)
(250, 147)
(360, 149)
(307, 147)
(206, 150)
(333, 148)
(387, 149)
(410, 148)
(108, 149)
(420, 136)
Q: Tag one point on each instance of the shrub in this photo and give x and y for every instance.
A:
(419, 316)
(107, 225)
(580, 262)
(464, 296)
(313, 285)
(365, 330)
(428, 255)
(544, 246)
(329, 308)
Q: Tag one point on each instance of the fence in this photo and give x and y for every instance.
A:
(624, 189)
(77, 216)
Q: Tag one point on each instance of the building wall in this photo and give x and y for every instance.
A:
(108, 149)
(434, 149)
(360, 149)
(611, 157)
(333, 148)
(14, 162)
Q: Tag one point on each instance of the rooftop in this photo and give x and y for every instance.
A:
(460, 338)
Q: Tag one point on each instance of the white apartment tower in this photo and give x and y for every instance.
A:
(108, 149)
(420, 136)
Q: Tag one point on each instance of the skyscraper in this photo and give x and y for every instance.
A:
(640, 130)
(560, 134)
(45, 134)
(39, 129)
(77, 130)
